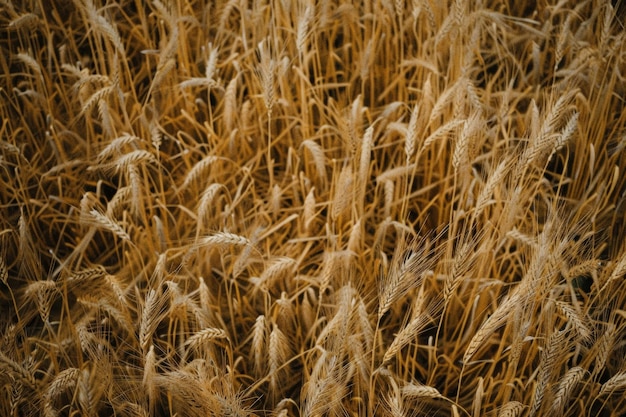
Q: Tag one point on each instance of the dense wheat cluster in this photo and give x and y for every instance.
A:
(300, 208)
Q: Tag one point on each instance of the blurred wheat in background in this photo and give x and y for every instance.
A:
(300, 208)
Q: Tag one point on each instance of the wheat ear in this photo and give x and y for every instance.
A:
(511, 409)
(565, 388)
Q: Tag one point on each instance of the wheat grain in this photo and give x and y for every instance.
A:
(395, 405)
(31, 63)
(100, 95)
(151, 314)
(478, 397)
(109, 224)
(132, 159)
(566, 385)
(617, 383)
(86, 279)
(364, 324)
(121, 315)
(333, 335)
(4, 273)
(90, 388)
(43, 294)
(206, 201)
(198, 170)
(566, 133)
(442, 102)
(411, 133)
(133, 410)
(303, 31)
(276, 271)
(63, 381)
(325, 388)
(561, 41)
(408, 333)
(224, 239)
(356, 237)
(259, 343)
(159, 229)
(465, 149)
(204, 336)
(102, 24)
(187, 392)
(415, 390)
(266, 73)
(148, 381)
(319, 159)
(603, 347)
(577, 320)
(442, 132)
(464, 259)
(618, 271)
(309, 209)
(430, 14)
(343, 194)
(18, 372)
(163, 70)
(406, 272)
(607, 17)
(136, 190)
(116, 146)
(230, 104)
(278, 352)
(495, 179)
(394, 173)
(106, 117)
(27, 254)
(552, 352)
(494, 321)
(585, 267)
(354, 126)
(511, 409)
(366, 60)
(364, 163)
(24, 21)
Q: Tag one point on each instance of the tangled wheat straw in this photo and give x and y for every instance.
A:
(300, 208)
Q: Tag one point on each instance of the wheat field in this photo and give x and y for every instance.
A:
(297, 208)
